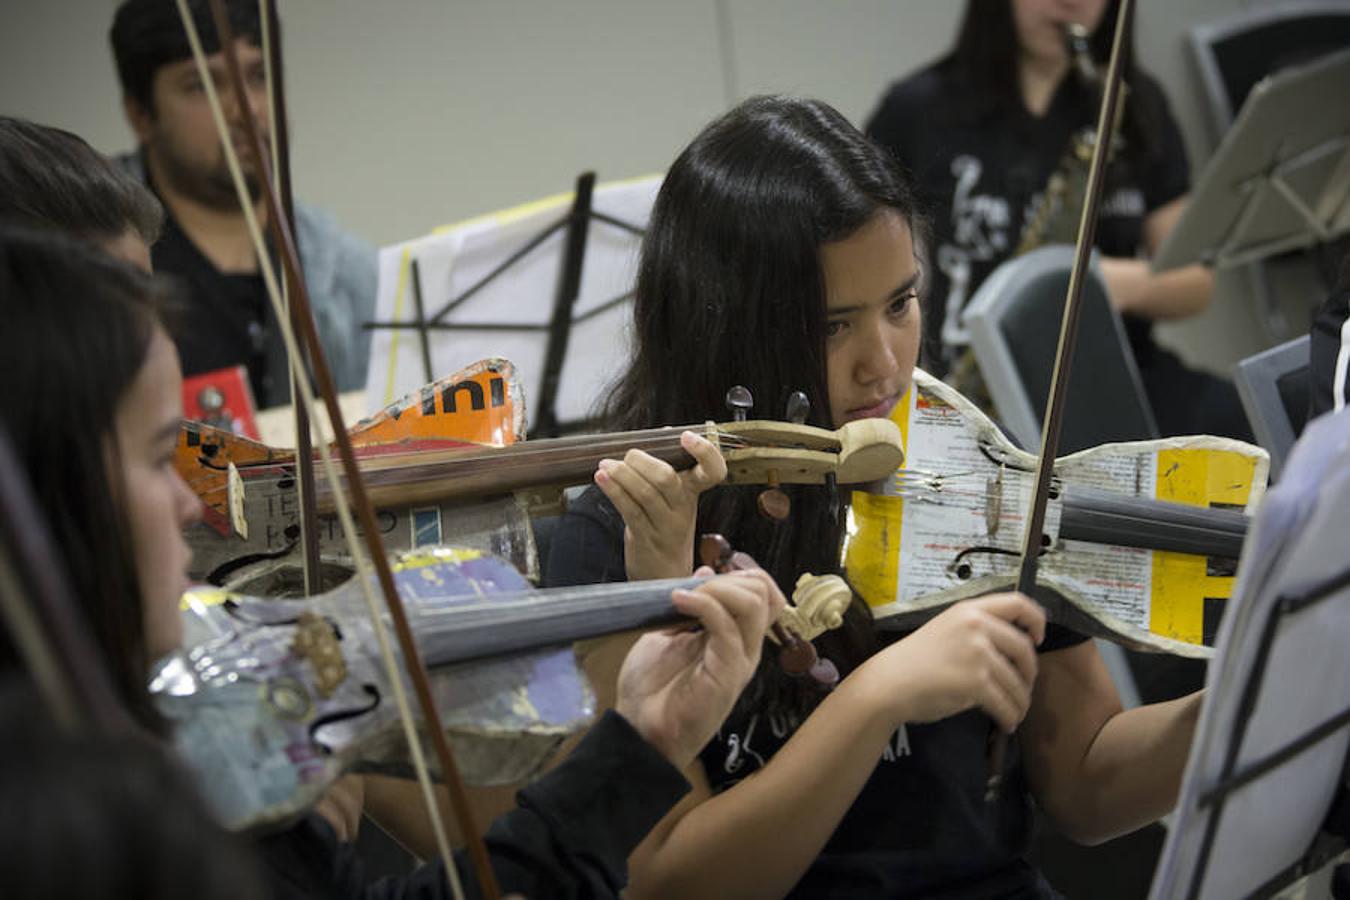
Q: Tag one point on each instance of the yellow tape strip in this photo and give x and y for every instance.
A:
(202, 595)
(400, 293)
(1181, 582)
(872, 558)
(420, 559)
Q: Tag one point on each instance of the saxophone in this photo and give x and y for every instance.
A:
(1054, 215)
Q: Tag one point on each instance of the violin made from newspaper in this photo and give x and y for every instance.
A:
(274, 699)
(436, 469)
(1139, 544)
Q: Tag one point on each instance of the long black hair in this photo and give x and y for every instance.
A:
(77, 327)
(730, 291)
(100, 817)
(984, 59)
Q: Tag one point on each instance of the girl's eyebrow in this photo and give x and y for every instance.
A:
(907, 286)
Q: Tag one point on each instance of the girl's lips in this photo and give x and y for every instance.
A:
(877, 411)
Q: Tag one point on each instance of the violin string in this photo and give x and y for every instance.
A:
(215, 495)
(508, 453)
(527, 456)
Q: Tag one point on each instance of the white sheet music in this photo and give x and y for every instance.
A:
(450, 260)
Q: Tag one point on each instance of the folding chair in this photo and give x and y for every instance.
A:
(1014, 328)
(1274, 389)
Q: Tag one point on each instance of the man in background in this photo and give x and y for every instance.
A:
(205, 242)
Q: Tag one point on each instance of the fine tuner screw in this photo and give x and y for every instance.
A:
(798, 408)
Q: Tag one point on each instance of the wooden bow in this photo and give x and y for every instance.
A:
(1068, 339)
(281, 172)
(285, 245)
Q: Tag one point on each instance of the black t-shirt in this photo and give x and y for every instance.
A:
(568, 837)
(919, 827)
(1327, 343)
(978, 169)
(223, 320)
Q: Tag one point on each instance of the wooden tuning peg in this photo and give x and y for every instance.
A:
(739, 401)
(773, 503)
(796, 656)
(714, 551)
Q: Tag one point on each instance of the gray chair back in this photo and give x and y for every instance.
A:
(1014, 321)
(1274, 389)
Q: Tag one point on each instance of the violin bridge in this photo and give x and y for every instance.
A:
(317, 641)
(234, 493)
(993, 501)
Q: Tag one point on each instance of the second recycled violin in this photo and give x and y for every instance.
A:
(273, 699)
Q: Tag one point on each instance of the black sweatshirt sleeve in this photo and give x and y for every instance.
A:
(568, 837)
(587, 545)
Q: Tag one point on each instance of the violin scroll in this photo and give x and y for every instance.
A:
(796, 655)
(791, 452)
(819, 603)
(868, 447)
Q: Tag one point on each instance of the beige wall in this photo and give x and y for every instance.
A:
(411, 113)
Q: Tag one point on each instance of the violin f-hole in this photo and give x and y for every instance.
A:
(343, 715)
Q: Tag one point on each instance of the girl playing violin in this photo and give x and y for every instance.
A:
(783, 255)
(92, 406)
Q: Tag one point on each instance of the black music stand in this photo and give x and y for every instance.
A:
(1281, 178)
(485, 325)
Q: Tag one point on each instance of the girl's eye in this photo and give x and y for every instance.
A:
(834, 329)
(901, 304)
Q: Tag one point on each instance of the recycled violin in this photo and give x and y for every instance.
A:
(271, 702)
(1139, 545)
(422, 464)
